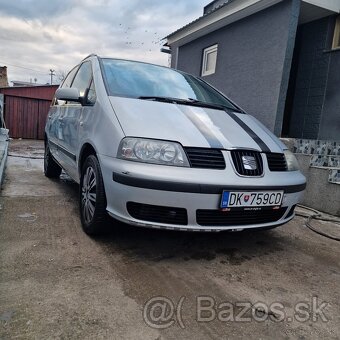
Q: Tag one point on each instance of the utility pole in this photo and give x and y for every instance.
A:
(52, 74)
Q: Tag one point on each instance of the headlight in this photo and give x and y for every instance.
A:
(292, 163)
(152, 151)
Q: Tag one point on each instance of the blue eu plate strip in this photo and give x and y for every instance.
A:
(225, 199)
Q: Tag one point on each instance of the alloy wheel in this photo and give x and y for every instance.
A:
(88, 194)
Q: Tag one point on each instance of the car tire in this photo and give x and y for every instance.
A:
(92, 199)
(51, 168)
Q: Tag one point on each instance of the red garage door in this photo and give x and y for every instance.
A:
(26, 109)
(26, 117)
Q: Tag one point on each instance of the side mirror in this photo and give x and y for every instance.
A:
(69, 94)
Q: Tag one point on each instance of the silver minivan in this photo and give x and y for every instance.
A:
(155, 147)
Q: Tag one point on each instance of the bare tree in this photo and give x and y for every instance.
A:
(61, 75)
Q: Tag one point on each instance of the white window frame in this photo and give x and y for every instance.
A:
(206, 51)
(336, 37)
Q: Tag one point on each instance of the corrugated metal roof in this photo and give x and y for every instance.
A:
(225, 3)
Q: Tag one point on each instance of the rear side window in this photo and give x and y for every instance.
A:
(66, 83)
(91, 96)
(69, 78)
(83, 78)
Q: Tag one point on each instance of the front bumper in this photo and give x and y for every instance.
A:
(191, 189)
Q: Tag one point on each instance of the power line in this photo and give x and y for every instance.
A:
(26, 68)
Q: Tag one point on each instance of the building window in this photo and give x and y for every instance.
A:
(336, 38)
(209, 60)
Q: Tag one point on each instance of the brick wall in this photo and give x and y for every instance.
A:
(3, 76)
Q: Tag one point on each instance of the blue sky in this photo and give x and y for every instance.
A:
(42, 34)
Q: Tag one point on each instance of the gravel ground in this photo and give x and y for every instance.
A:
(133, 283)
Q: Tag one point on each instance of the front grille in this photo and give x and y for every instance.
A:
(247, 162)
(205, 158)
(237, 217)
(155, 213)
(276, 162)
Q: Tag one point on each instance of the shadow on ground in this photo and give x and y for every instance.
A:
(145, 244)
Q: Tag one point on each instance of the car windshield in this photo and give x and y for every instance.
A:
(146, 81)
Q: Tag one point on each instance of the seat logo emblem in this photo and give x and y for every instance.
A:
(249, 162)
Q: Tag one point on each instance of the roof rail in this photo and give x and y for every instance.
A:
(90, 55)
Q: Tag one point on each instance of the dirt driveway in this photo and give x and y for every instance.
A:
(57, 283)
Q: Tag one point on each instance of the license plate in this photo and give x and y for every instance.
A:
(242, 199)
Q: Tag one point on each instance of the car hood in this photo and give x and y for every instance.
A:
(193, 126)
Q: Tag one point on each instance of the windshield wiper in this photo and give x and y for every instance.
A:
(164, 99)
(189, 101)
(214, 106)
